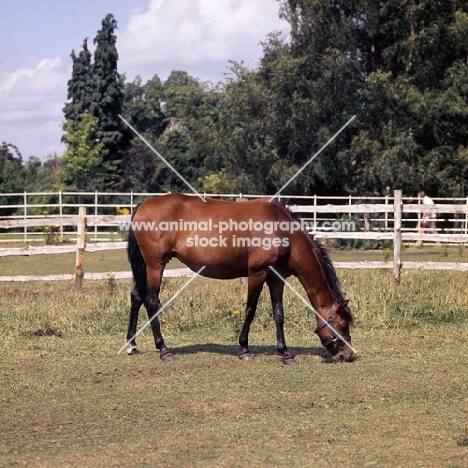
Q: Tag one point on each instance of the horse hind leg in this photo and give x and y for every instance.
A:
(152, 305)
(136, 302)
(255, 285)
(164, 352)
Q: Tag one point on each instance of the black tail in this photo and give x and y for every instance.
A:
(136, 261)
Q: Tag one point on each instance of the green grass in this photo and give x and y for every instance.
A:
(409, 253)
(70, 400)
(81, 405)
(106, 261)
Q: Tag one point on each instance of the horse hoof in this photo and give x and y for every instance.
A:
(289, 362)
(133, 351)
(246, 357)
(167, 357)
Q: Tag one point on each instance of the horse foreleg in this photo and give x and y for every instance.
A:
(136, 303)
(276, 294)
(255, 285)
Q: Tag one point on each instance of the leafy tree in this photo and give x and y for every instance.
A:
(326, 63)
(191, 110)
(82, 167)
(43, 176)
(413, 129)
(12, 173)
(12, 176)
(245, 148)
(138, 166)
(219, 182)
(142, 106)
(174, 146)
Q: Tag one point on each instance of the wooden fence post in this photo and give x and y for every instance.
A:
(397, 209)
(80, 248)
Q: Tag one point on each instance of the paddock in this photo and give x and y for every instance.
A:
(69, 399)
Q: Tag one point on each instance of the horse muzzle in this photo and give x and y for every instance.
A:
(344, 356)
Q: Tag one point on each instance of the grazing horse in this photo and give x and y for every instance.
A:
(256, 239)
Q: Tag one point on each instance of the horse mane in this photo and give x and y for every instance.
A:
(330, 269)
(334, 281)
(327, 263)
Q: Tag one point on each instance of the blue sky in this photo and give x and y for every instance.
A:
(153, 37)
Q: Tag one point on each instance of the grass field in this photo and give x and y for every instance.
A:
(68, 398)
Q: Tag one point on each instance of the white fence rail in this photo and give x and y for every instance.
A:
(23, 216)
(387, 221)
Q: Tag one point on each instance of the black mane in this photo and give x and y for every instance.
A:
(330, 268)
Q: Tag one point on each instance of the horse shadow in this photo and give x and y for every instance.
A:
(231, 350)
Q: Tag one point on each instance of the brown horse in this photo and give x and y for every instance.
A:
(257, 239)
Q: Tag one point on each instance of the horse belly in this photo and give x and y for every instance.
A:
(216, 262)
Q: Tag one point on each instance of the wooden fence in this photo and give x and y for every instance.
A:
(26, 214)
(396, 211)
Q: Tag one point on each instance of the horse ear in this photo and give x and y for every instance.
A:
(344, 303)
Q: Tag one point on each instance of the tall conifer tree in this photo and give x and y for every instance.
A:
(96, 89)
(78, 87)
(107, 99)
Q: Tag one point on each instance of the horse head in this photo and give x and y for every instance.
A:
(334, 332)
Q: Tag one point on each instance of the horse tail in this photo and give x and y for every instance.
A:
(137, 261)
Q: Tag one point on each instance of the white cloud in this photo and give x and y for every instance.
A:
(40, 81)
(198, 36)
(32, 99)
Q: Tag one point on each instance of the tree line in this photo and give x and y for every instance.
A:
(400, 67)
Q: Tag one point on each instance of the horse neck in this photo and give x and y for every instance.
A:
(311, 271)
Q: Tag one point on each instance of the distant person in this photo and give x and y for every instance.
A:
(427, 223)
